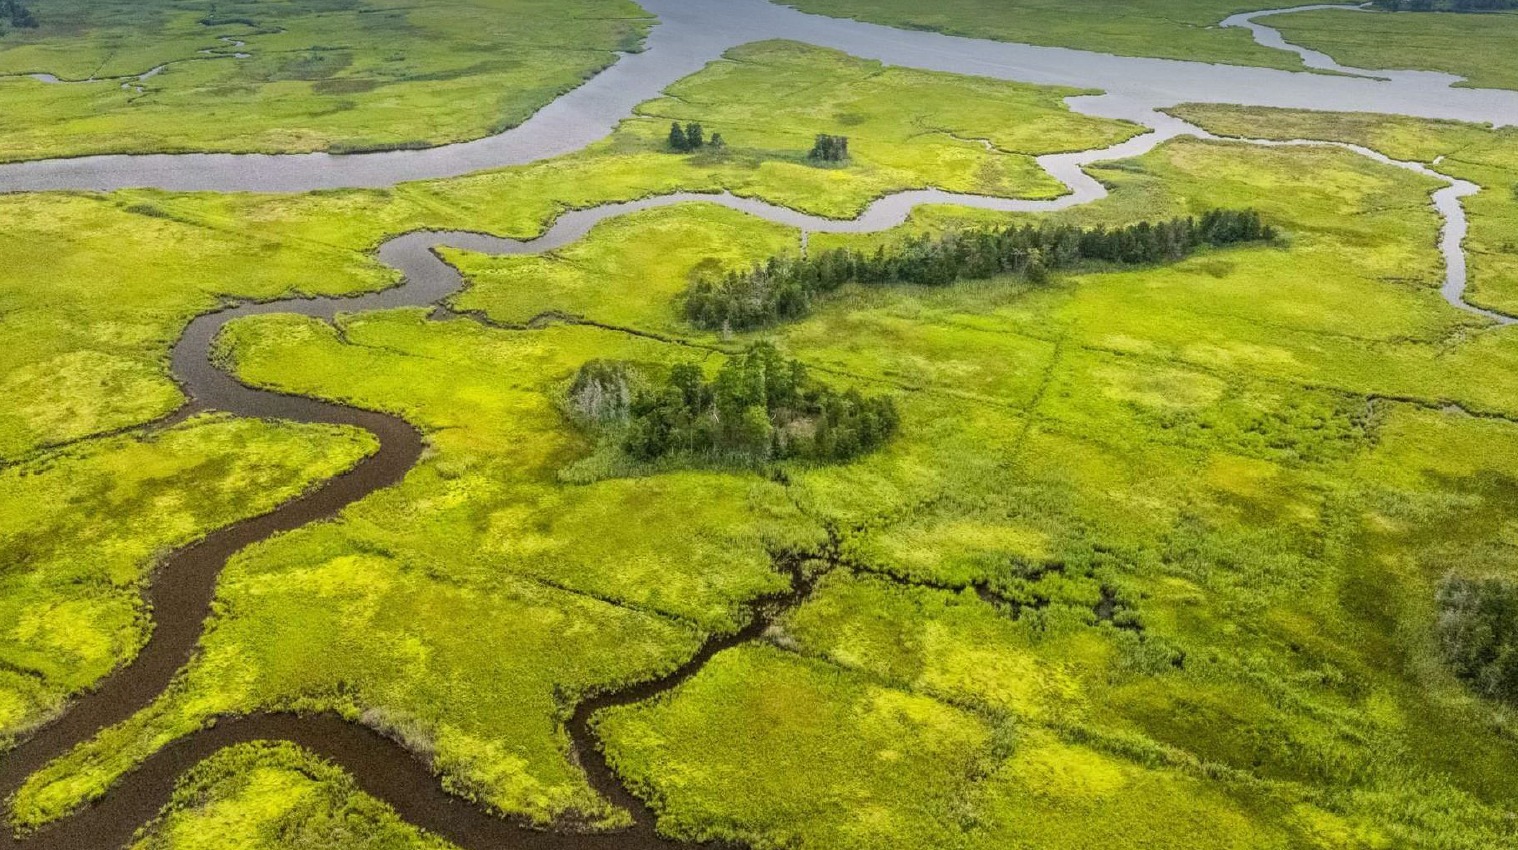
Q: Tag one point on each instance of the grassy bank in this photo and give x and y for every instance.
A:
(1164, 29)
(276, 797)
(1477, 46)
(312, 74)
(1485, 156)
(82, 529)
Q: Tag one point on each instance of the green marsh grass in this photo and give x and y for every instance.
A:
(318, 75)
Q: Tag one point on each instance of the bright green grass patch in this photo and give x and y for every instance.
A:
(265, 796)
(949, 644)
(1475, 46)
(1055, 794)
(81, 528)
(548, 592)
(773, 750)
(625, 273)
(126, 270)
(318, 74)
(1483, 155)
(905, 127)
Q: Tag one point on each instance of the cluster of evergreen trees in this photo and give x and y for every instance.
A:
(784, 287)
(830, 148)
(1478, 633)
(691, 138)
(760, 406)
(17, 14)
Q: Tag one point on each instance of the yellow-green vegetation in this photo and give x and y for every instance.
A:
(466, 610)
(770, 100)
(81, 528)
(1483, 155)
(1477, 46)
(128, 269)
(1198, 452)
(1166, 29)
(1152, 560)
(825, 759)
(277, 797)
(1210, 542)
(311, 75)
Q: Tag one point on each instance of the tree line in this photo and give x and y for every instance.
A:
(784, 288)
(691, 137)
(19, 16)
(760, 406)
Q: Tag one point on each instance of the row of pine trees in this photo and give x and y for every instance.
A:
(785, 287)
(692, 137)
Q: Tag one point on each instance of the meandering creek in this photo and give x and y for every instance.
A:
(690, 34)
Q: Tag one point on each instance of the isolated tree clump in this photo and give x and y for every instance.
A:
(830, 148)
(784, 288)
(601, 392)
(18, 15)
(1478, 633)
(759, 407)
(691, 137)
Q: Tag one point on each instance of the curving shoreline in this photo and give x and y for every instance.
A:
(182, 591)
(691, 33)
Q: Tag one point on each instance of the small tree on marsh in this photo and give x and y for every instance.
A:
(601, 392)
(1478, 633)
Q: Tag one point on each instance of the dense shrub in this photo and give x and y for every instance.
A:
(601, 392)
(784, 287)
(691, 137)
(1478, 633)
(18, 15)
(830, 148)
(760, 406)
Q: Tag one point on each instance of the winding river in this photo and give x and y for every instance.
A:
(690, 34)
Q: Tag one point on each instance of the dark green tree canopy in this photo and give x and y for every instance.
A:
(784, 287)
(760, 406)
(19, 15)
(1478, 633)
(830, 148)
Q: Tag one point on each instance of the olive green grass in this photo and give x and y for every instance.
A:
(309, 75)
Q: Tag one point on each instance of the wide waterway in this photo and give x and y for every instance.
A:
(691, 33)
